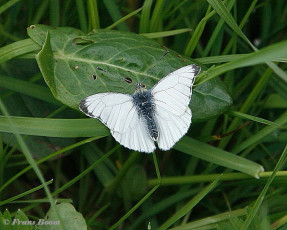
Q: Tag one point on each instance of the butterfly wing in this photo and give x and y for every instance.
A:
(171, 96)
(171, 127)
(136, 138)
(118, 113)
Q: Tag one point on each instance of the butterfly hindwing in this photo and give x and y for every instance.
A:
(136, 139)
(118, 113)
(171, 127)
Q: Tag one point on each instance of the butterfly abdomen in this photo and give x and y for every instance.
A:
(145, 108)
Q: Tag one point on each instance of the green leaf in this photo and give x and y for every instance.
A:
(69, 58)
(47, 64)
(71, 219)
(211, 99)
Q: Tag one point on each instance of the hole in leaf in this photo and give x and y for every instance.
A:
(128, 80)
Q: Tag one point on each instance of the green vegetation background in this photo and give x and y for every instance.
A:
(46, 164)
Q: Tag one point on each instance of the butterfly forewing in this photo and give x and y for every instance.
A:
(174, 91)
(113, 109)
(119, 114)
(171, 97)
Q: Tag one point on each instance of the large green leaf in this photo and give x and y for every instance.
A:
(69, 58)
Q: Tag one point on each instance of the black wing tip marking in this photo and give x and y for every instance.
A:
(196, 69)
(83, 107)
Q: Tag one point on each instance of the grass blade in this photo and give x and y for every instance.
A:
(228, 58)
(134, 208)
(115, 13)
(253, 118)
(93, 14)
(260, 198)
(197, 33)
(269, 53)
(7, 5)
(282, 120)
(28, 88)
(54, 127)
(224, 13)
(54, 11)
(218, 156)
(216, 31)
(17, 48)
(123, 19)
(9, 200)
(195, 179)
(156, 18)
(166, 33)
(145, 17)
(82, 15)
(212, 220)
(189, 205)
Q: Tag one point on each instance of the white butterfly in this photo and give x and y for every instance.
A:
(160, 114)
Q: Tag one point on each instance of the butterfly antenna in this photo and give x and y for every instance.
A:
(150, 70)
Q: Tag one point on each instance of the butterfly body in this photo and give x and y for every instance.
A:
(161, 114)
(145, 106)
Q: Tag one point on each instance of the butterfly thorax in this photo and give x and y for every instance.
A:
(145, 106)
